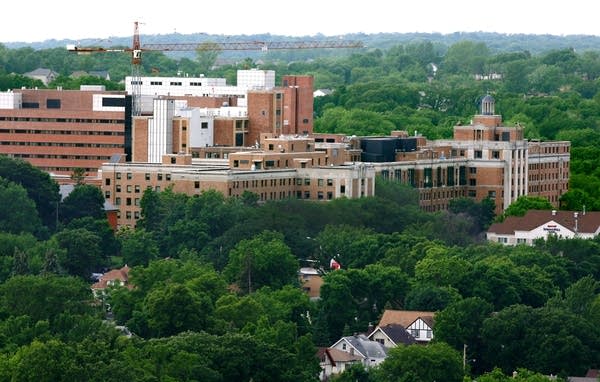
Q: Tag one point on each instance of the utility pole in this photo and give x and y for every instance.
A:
(249, 270)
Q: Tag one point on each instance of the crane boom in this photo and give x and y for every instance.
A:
(253, 45)
(137, 48)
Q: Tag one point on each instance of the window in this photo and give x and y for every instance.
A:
(118, 188)
(113, 101)
(137, 188)
(168, 176)
(127, 214)
(415, 333)
(472, 170)
(472, 182)
(521, 241)
(306, 194)
(320, 195)
(306, 181)
(118, 175)
(299, 182)
(129, 175)
(196, 184)
(147, 176)
(204, 125)
(175, 83)
(107, 194)
(129, 188)
(173, 160)
(305, 120)
(53, 104)
(136, 214)
(117, 201)
(380, 340)
(478, 154)
(320, 182)
(495, 154)
(155, 83)
(428, 333)
(107, 181)
(128, 201)
(159, 176)
(503, 240)
(342, 189)
(136, 201)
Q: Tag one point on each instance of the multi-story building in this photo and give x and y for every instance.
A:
(484, 160)
(285, 167)
(61, 130)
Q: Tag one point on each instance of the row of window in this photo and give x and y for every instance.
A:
(61, 132)
(147, 176)
(61, 144)
(61, 120)
(71, 157)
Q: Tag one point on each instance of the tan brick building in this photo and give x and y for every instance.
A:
(286, 167)
(484, 160)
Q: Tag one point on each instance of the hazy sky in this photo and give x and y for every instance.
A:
(34, 20)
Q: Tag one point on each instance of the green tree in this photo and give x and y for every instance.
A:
(83, 251)
(84, 200)
(175, 308)
(138, 247)
(525, 203)
(40, 187)
(262, 261)
(44, 298)
(434, 362)
(18, 213)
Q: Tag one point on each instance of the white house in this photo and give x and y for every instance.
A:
(371, 352)
(334, 361)
(540, 224)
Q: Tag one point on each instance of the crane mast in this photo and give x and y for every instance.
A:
(137, 48)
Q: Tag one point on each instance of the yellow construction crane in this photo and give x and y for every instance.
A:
(137, 48)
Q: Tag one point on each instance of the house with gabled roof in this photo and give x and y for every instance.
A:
(334, 361)
(42, 74)
(114, 277)
(419, 324)
(541, 224)
(392, 335)
(371, 352)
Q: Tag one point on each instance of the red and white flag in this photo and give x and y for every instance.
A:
(334, 265)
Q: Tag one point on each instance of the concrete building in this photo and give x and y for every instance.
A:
(60, 130)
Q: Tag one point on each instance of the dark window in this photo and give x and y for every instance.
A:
(305, 120)
(478, 154)
(173, 160)
(53, 103)
(204, 125)
(30, 105)
(113, 101)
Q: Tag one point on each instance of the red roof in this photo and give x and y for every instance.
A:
(121, 275)
(587, 222)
